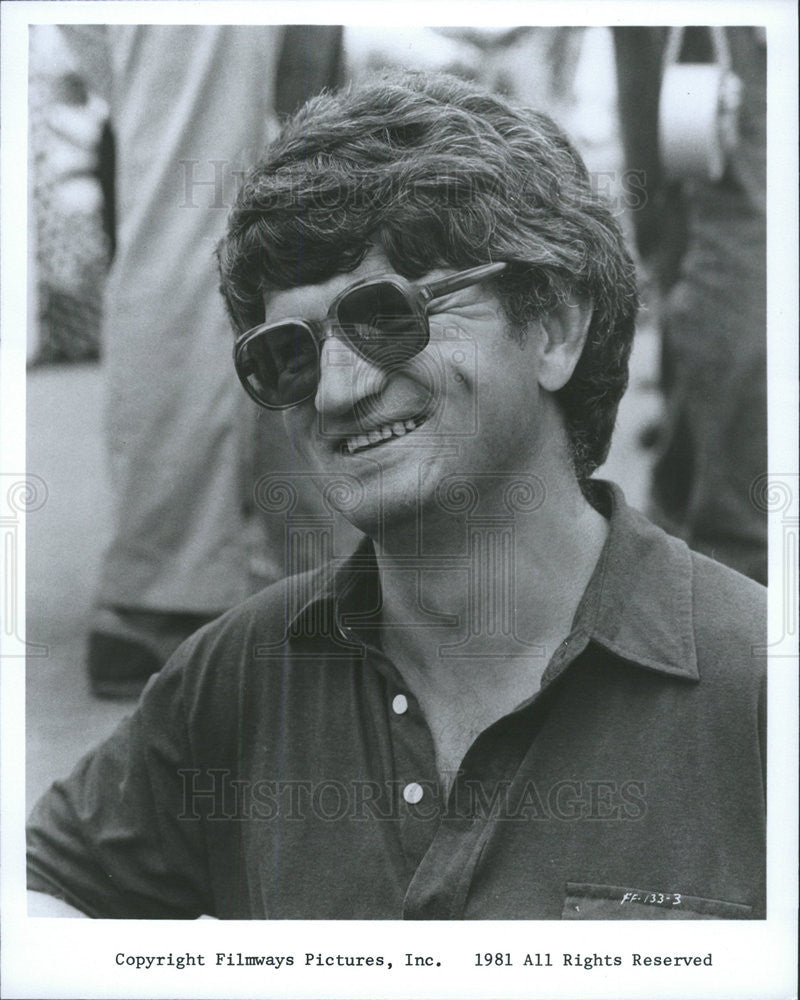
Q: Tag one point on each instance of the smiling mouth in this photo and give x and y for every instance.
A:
(380, 435)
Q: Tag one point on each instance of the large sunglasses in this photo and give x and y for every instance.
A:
(384, 319)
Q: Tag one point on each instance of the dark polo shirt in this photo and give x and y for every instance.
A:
(278, 767)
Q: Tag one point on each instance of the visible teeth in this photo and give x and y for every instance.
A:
(397, 429)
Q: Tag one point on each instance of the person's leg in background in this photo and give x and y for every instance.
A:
(715, 446)
(704, 242)
(186, 534)
(180, 549)
(715, 433)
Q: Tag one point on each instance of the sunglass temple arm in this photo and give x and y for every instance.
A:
(455, 282)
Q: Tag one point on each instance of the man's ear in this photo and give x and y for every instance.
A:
(561, 339)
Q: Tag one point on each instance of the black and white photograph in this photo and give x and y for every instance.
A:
(400, 500)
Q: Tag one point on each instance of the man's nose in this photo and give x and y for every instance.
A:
(345, 378)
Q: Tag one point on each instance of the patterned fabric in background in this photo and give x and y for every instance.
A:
(69, 217)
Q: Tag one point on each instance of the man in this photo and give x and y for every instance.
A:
(518, 699)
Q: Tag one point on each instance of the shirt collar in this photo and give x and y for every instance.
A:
(639, 601)
(638, 604)
(349, 588)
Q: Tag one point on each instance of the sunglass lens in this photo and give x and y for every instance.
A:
(382, 323)
(281, 365)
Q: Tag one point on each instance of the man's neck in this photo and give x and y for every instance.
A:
(509, 585)
(472, 639)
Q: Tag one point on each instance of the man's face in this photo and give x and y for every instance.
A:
(469, 403)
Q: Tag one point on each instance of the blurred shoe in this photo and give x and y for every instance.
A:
(126, 647)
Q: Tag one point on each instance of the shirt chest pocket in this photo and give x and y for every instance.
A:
(590, 901)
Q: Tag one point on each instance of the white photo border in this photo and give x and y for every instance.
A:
(75, 958)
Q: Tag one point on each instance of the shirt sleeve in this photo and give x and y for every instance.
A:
(116, 838)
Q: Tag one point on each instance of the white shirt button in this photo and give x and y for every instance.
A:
(399, 704)
(412, 793)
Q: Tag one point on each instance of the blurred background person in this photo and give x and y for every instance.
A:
(181, 437)
(72, 226)
(703, 238)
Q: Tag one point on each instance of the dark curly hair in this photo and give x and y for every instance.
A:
(440, 172)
